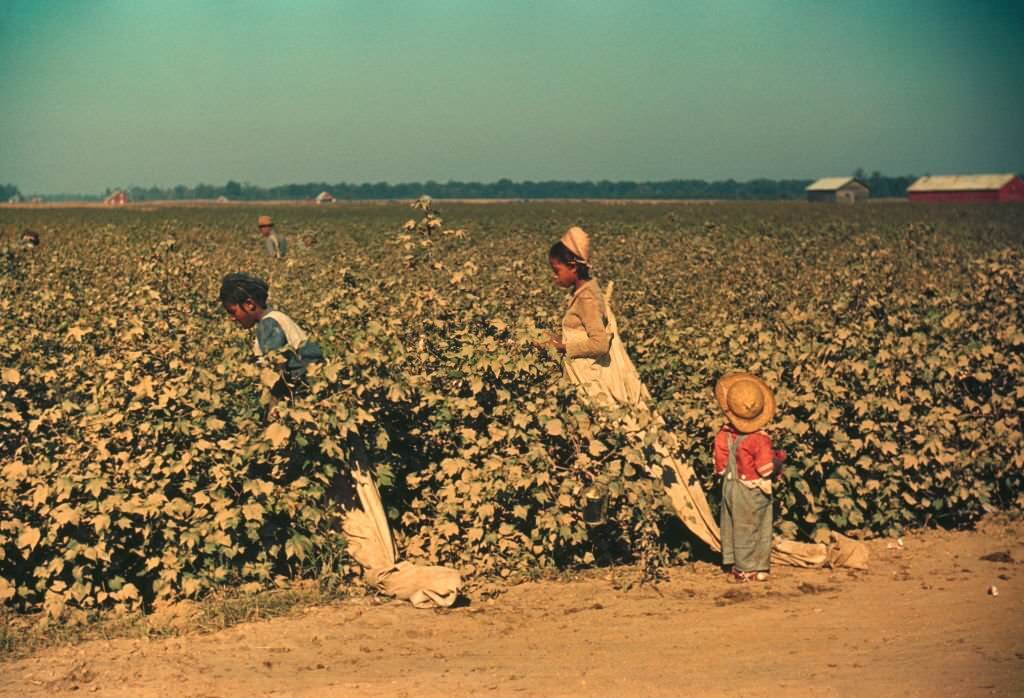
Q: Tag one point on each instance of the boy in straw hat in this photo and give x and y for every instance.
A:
(274, 243)
(745, 459)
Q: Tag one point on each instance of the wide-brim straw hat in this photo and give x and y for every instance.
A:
(578, 242)
(747, 400)
(264, 220)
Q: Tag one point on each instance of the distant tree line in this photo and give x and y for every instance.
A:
(885, 187)
(881, 186)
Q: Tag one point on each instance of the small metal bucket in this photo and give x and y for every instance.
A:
(595, 505)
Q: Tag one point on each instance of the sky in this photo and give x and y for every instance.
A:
(110, 93)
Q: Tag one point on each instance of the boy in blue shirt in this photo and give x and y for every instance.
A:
(244, 297)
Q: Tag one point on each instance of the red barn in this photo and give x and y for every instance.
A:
(118, 198)
(967, 188)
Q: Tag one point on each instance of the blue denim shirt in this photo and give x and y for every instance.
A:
(270, 337)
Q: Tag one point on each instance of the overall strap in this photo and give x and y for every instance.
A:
(295, 336)
(734, 444)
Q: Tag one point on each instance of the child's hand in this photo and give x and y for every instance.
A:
(552, 342)
(778, 458)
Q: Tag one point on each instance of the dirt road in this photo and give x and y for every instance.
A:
(920, 622)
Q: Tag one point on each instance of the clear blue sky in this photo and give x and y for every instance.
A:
(103, 93)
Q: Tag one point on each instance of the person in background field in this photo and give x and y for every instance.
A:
(244, 297)
(275, 243)
(745, 460)
(29, 239)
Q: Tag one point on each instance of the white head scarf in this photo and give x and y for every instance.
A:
(578, 242)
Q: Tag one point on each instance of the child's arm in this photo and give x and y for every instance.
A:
(598, 341)
(761, 450)
(721, 451)
(778, 458)
(270, 336)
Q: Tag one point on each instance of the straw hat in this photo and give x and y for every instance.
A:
(264, 220)
(747, 401)
(578, 242)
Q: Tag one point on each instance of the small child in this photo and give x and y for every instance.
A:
(244, 297)
(745, 459)
(275, 244)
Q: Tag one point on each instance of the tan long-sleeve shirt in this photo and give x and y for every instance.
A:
(586, 316)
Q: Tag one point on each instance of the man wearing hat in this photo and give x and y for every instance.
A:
(274, 243)
(745, 460)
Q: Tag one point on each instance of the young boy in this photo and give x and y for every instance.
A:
(363, 519)
(274, 243)
(244, 297)
(745, 459)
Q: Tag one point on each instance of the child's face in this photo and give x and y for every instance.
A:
(265, 230)
(247, 314)
(565, 275)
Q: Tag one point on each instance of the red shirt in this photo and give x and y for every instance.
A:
(753, 457)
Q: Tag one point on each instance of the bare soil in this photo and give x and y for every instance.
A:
(921, 622)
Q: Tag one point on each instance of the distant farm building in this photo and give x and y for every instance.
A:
(118, 198)
(324, 198)
(222, 199)
(16, 199)
(843, 190)
(967, 188)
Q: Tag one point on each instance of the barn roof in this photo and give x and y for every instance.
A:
(324, 195)
(984, 182)
(832, 183)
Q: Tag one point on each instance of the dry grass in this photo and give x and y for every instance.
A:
(24, 634)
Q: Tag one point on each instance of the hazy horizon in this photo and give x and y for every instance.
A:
(113, 93)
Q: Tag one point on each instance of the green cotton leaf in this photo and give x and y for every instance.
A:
(226, 518)
(298, 547)
(15, 471)
(28, 538)
(95, 486)
(128, 592)
(253, 511)
(277, 434)
(7, 590)
(101, 522)
(269, 377)
(453, 466)
(834, 486)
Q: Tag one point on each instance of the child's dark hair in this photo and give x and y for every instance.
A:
(240, 287)
(560, 253)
